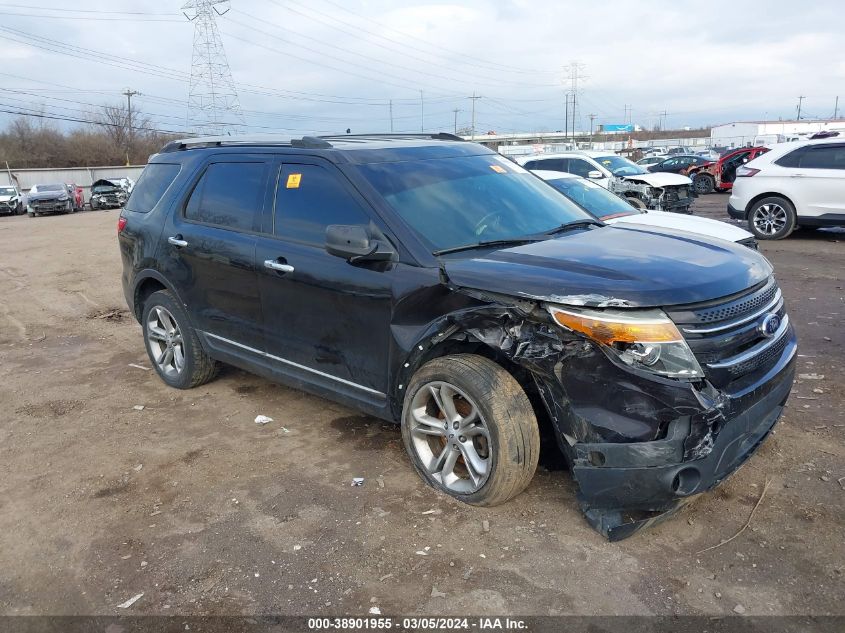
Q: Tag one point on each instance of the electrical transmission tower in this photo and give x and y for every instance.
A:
(573, 74)
(213, 106)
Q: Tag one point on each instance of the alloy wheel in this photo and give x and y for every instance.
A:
(450, 437)
(770, 218)
(165, 340)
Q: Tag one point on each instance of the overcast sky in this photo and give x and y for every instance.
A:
(328, 65)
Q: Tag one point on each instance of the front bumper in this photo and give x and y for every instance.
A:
(49, 207)
(736, 214)
(626, 487)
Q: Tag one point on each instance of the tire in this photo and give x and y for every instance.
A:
(94, 205)
(772, 218)
(504, 436)
(197, 367)
(30, 214)
(704, 184)
(636, 203)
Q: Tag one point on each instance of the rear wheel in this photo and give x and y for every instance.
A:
(704, 184)
(772, 218)
(470, 430)
(172, 344)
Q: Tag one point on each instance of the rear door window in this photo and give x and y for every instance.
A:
(548, 164)
(229, 195)
(154, 181)
(308, 199)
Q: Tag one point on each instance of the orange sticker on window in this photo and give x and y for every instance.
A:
(294, 180)
(498, 169)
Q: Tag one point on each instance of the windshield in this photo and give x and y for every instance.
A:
(454, 202)
(619, 166)
(594, 198)
(43, 188)
(7, 191)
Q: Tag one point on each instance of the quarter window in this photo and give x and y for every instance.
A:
(824, 157)
(308, 199)
(154, 181)
(228, 194)
(548, 164)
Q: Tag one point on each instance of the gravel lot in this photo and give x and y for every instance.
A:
(191, 503)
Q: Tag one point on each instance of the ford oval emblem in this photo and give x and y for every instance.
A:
(769, 325)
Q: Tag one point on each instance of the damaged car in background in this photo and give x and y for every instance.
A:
(107, 194)
(10, 201)
(50, 198)
(433, 283)
(644, 190)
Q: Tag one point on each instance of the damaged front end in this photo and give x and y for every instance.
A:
(643, 429)
(668, 197)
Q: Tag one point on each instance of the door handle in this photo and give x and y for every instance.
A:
(177, 241)
(273, 264)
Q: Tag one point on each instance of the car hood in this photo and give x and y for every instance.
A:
(47, 195)
(660, 179)
(622, 265)
(682, 222)
(5, 198)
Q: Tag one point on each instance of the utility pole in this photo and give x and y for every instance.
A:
(566, 120)
(390, 105)
(592, 118)
(663, 118)
(456, 119)
(422, 113)
(474, 98)
(129, 94)
(836, 107)
(800, 99)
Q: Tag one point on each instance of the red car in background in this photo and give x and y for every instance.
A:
(720, 175)
(76, 194)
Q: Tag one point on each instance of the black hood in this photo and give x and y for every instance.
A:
(614, 265)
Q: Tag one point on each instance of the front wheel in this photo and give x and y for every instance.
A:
(172, 344)
(470, 430)
(704, 184)
(636, 203)
(772, 218)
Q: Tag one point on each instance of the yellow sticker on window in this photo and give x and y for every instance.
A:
(294, 180)
(498, 169)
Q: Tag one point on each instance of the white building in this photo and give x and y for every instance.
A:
(740, 134)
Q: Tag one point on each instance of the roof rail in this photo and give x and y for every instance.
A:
(437, 136)
(312, 142)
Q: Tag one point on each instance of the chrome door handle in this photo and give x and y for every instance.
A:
(177, 242)
(272, 264)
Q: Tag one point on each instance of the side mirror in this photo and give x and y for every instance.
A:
(353, 243)
(595, 174)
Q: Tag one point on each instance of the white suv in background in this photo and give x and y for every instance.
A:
(795, 184)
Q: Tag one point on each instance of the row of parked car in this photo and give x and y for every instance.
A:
(774, 189)
(53, 198)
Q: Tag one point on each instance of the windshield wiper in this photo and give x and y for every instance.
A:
(575, 224)
(468, 247)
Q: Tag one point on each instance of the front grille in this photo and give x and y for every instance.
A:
(725, 334)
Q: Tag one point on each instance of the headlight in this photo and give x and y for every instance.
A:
(644, 339)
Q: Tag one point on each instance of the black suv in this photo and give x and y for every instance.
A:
(434, 283)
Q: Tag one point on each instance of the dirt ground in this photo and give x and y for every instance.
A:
(191, 503)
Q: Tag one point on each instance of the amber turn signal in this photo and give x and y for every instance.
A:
(618, 329)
